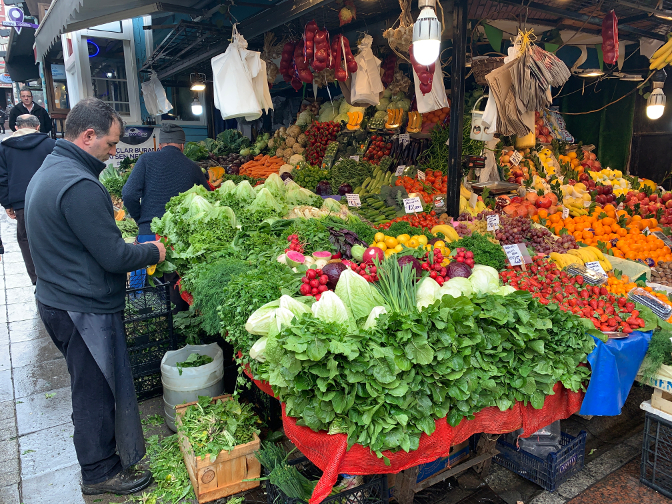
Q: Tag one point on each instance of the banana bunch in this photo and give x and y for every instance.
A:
(355, 120)
(464, 192)
(414, 122)
(662, 56)
(448, 231)
(394, 118)
(582, 255)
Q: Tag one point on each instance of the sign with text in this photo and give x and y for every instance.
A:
(413, 205)
(404, 138)
(517, 254)
(596, 267)
(473, 199)
(421, 175)
(353, 199)
(565, 212)
(136, 141)
(355, 158)
(400, 170)
(493, 222)
(516, 158)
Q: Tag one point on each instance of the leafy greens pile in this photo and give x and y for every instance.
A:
(213, 427)
(354, 365)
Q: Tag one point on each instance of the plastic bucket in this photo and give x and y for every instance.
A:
(207, 380)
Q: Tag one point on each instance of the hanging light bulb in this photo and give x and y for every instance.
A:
(426, 34)
(196, 107)
(655, 104)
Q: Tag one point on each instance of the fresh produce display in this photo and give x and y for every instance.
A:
(289, 144)
(434, 183)
(319, 135)
(261, 166)
(309, 176)
(662, 273)
(194, 360)
(349, 171)
(380, 146)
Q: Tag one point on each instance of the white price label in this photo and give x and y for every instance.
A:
(287, 180)
(421, 175)
(513, 254)
(400, 170)
(565, 212)
(473, 199)
(596, 267)
(356, 158)
(405, 138)
(516, 158)
(353, 200)
(493, 222)
(646, 231)
(413, 205)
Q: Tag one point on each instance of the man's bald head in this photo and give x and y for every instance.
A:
(27, 121)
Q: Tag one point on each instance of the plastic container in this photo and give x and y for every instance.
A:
(549, 472)
(206, 380)
(656, 467)
(372, 491)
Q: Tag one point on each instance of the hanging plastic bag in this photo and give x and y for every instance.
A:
(436, 98)
(366, 83)
(610, 38)
(155, 96)
(232, 81)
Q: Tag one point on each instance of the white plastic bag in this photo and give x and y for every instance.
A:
(232, 80)
(155, 96)
(436, 98)
(366, 83)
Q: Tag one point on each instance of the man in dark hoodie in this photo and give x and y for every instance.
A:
(28, 106)
(21, 155)
(81, 262)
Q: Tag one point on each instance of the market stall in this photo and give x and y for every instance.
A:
(403, 276)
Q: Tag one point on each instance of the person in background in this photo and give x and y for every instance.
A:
(21, 155)
(3, 118)
(28, 106)
(157, 177)
(81, 262)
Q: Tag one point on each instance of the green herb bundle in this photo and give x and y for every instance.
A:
(211, 428)
(285, 477)
(194, 360)
(485, 252)
(397, 285)
(128, 228)
(170, 474)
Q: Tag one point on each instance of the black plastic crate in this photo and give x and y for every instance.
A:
(372, 491)
(548, 473)
(148, 322)
(267, 408)
(656, 467)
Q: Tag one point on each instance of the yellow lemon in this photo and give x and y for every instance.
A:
(391, 242)
(403, 238)
(379, 237)
(399, 248)
(381, 245)
(413, 243)
(439, 244)
(389, 252)
(422, 239)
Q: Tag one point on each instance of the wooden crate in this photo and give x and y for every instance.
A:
(662, 401)
(214, 479)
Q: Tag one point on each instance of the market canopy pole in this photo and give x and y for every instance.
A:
(456, 107)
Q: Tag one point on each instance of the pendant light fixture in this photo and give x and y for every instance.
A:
(197, 82)
(196, 107)
(655, 104)
(426, 34)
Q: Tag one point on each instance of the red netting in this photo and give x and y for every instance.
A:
(330, 454)
(186, 296)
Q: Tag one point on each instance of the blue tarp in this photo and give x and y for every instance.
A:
(614, 365)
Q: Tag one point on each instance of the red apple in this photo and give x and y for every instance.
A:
(667, 197)
(641, 196)
(653, 197)
(652, 208)
(668, 204)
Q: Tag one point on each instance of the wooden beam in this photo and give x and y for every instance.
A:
(276, 16)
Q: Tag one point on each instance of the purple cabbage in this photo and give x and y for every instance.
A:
(323, 188)
(458, 269)
(345, 189)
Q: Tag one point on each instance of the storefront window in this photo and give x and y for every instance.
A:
(108, 72)
(181, 99)
(60, 86)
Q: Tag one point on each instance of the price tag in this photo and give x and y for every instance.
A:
(400, 170)
(413, 205)
(646, 231)
(565, 212)
(663, 237)
(356, 158)
(421, 175)
(353, 200)
(439, 203)
(493, 222)
(404, 138)
(516, 158)
(473, 199)
(513, 254)
(287, 180)
(596, 267)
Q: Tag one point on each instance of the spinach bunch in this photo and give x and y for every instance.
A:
(386, 385)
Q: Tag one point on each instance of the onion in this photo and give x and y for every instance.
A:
(352, 66)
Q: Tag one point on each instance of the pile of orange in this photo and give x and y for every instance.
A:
(631, 242)
(621, 286)
(572, 159)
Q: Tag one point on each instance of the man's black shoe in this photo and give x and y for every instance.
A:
(126, 482)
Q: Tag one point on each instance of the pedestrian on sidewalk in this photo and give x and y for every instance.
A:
(28, 106)
(157, 177)
(81, 262)
(3, 118)
(21, 155)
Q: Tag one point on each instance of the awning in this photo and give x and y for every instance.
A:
(66, 16)
(20, 59)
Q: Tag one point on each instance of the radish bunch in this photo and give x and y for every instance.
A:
(389, 65)
(341, 47)
(322, 58)
(425, 73)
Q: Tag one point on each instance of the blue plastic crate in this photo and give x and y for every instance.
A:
(548, 473)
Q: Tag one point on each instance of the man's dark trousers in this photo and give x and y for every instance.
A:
(22, 238)
(92, 400)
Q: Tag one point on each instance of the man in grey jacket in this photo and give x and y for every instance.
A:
(81, 262)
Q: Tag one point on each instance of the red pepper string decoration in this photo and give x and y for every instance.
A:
(610, 38)
(286, 65)
(309, 41)
(425, 73)
(322, 58)
(389, 65)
